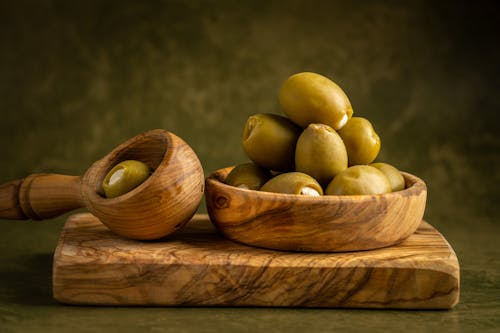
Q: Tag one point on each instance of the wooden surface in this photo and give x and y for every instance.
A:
(164, 202)
(40, 196)
(198, 267)
(328, 223)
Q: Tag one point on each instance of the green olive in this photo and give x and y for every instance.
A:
(359, 179)
(269, 141)
(393, 174)
(124, 177)
(320, 153)
(248, 176)
(312, 98)
(293, 183)
(361, 141)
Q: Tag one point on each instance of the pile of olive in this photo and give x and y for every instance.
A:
(318, 148)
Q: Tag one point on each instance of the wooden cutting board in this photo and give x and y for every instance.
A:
(198, 267)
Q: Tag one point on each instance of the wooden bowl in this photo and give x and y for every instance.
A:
(164, 202)
(318, 224)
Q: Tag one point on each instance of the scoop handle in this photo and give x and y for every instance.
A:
(40, 196)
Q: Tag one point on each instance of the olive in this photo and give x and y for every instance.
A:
(320, 153)
(361, 141)
(393, 174)
(359, 179)
(124, 177)
(312, 98)
(269, 141)
(293, 183)
(248, 176)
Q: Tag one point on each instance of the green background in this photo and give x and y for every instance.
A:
(77, 78)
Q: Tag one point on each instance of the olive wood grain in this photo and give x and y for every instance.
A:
(10, 207)
(329, 223)
(40, 196)
(43, 196)
(198, 267)
(162, 204)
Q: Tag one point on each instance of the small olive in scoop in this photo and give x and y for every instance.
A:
(361, 141)
(124, 177)
(320, 153)
(269, 141)
(313, 98)
(392, 173)
(293, 183)
(359, 179)
(248, 176)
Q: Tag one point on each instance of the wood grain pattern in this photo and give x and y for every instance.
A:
(10, 207)
(327, 223)
(44, 196)
(162, 204)
(196, 266)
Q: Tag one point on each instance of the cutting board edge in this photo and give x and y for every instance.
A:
(439, 301)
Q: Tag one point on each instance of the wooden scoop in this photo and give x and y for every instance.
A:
(159, 206)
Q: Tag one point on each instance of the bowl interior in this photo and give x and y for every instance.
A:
(149, 148)
(413, 185)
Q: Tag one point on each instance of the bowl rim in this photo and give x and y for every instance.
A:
(414, 186)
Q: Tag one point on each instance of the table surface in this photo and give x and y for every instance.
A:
(26, 302)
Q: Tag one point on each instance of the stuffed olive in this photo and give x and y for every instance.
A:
(293, 183)
(359, 179)
(393, 174)
(269, 140)
(361, 141)
(313, 98)
(320, 153)
(124, 177)
(248, 176)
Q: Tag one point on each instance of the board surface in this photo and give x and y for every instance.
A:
(196, 266)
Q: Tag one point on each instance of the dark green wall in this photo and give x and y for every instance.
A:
(79, 77)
